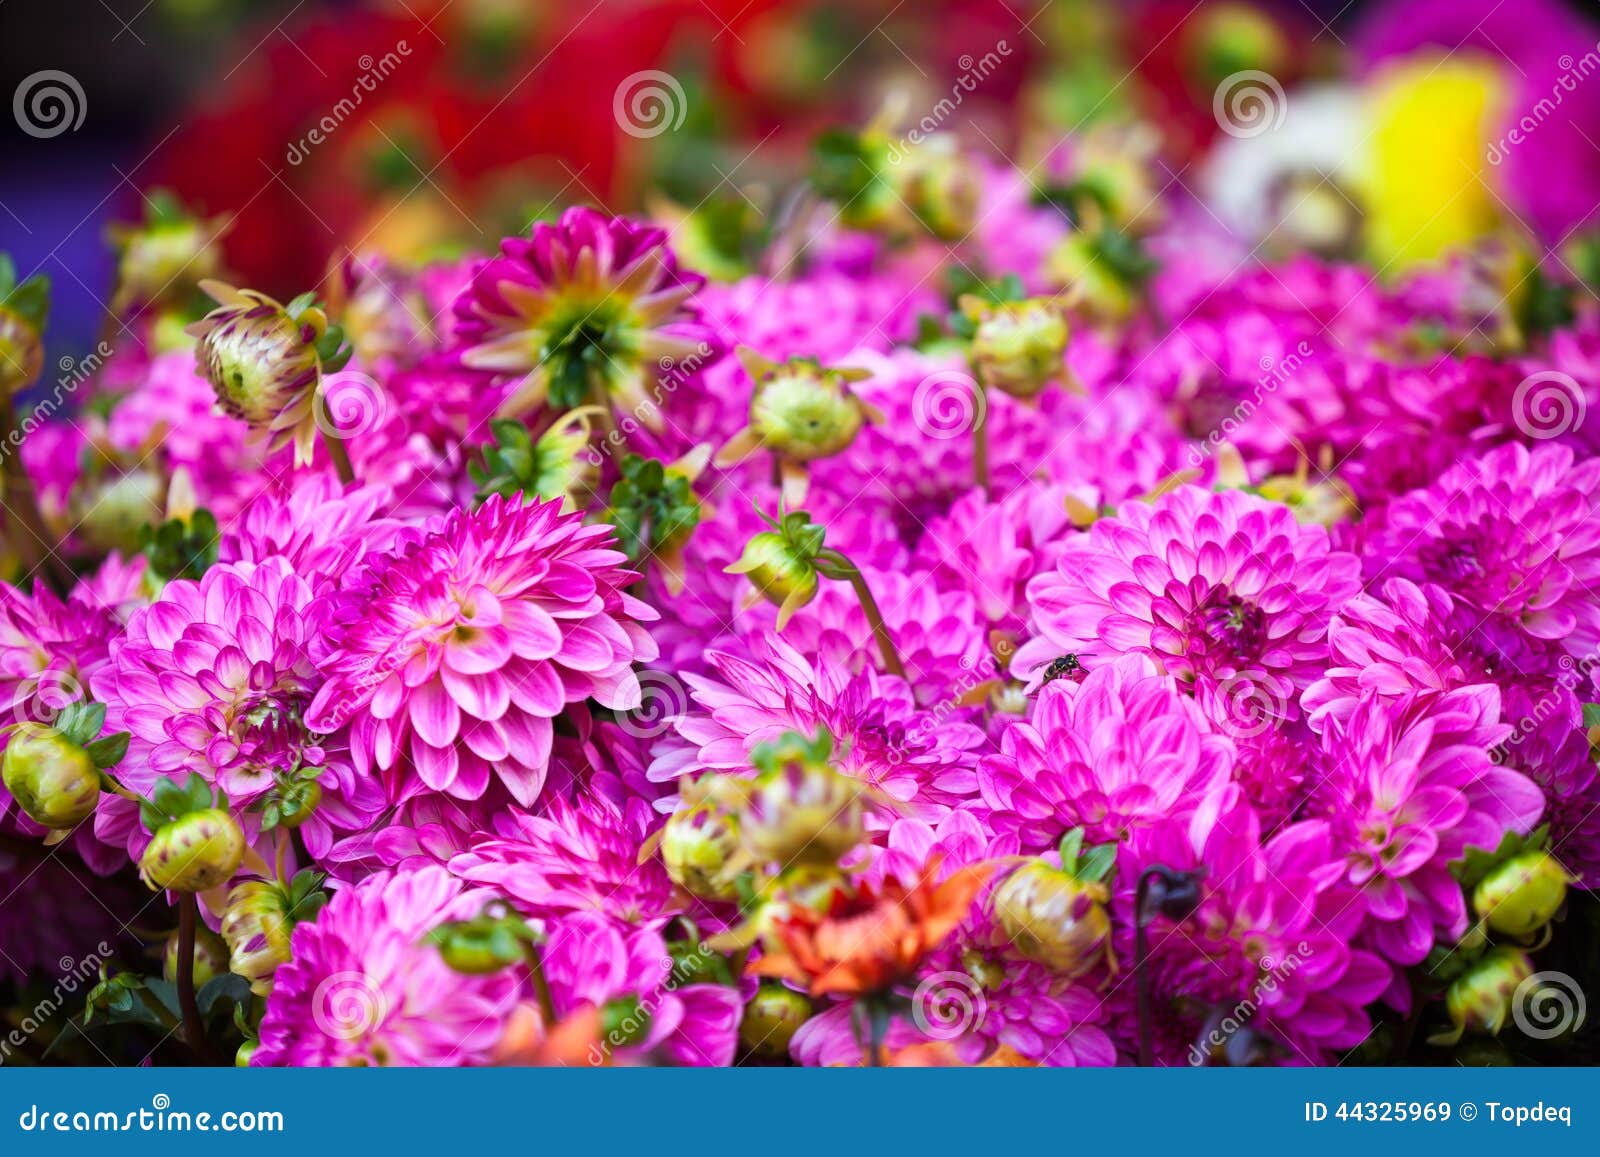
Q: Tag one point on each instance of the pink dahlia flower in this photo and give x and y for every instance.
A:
(363, 986)
(452, 654)
(321, 527)
(1512, 532)
(588, 305)
(575, 857)
(923, 758)
(591, 960)
(1268, 949)
(1411, 785)
(1420, 639)
(1224, 589)
(1119, 751)
(215, 678)
(1550, 746)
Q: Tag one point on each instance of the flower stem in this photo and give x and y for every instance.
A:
(980, 437)
(837, 565)
(541, 987)
(194, 1032)
(341, 458)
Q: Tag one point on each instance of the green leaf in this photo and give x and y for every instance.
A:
(1097, 863)
(108, 750)
(1591, 715)
(1478, 862)
(1071, 846)
(228, 987)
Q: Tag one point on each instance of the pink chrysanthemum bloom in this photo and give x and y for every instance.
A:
(591, 960)
(911, 466)
(581, 856)
(1268, 950)
(589, 307)
(990, 549)
(925, 759)
(215, 678)
(451, 655)
(1512, 532)
(1414, 638)
(824, 314)
(1410, 786)
(1113, 754)
(364, 987)
(321, 528)
(1225, 589)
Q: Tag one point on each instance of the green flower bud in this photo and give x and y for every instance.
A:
(196, 851)
(940, 187)
(804, 411)
(1479, 1001)
(163, 259)
(258, 358)
(799, 809)
(241, 1059)
(771, 1019)
(210, 957)
(53, 779)
(112, 509)
(477, 949)
(256, 928)
(1521, 895)
(21, 351)
(783, 574)
(701, 850)
(1053, 917)
(1017, 346)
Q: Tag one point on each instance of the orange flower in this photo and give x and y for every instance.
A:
(571, 1042)
(869, 943)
